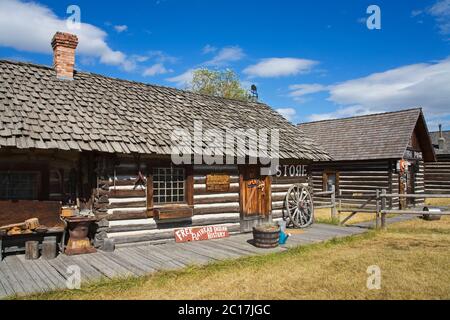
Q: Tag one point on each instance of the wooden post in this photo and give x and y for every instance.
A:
(48, 249)
(377, 216)
(340, 200)
(383, 207)
(333, 202)
(32, 250)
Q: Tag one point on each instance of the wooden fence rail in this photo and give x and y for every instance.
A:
(384, 211)
(332, 204)
(380, 197)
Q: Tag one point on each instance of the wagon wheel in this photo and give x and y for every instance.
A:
(299, 206)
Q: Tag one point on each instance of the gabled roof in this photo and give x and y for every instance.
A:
(435, 139)
(97, 113)
(370, 137)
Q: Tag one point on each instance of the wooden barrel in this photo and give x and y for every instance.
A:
(266, 237)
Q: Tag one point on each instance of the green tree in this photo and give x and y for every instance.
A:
(223, 84)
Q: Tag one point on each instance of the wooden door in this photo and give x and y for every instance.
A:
(255, 193)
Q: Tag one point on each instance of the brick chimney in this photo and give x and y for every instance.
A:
(441, 140)
(64, 45)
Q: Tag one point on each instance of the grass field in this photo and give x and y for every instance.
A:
(414, 257)
(438, 202)
(324, 216)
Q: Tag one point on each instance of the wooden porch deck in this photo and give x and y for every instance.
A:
(19, 276)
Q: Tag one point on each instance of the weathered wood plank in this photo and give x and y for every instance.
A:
(34, 272)
(119, 258)
(26, 281)
(162, 259)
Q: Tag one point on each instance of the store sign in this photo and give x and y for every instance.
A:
(291, 171)
(217, 183)
(201, 233)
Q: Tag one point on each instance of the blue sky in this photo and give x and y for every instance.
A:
(311, 60)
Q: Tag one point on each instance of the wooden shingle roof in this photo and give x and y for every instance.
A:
(97, 113)
(435, 139)
(370, 137)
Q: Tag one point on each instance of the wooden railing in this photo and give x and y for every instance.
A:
(377, 201)
(383, 211)
(370, 198)
(331, 204)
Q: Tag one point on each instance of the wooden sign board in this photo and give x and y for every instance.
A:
(217, 183)
(201, 233)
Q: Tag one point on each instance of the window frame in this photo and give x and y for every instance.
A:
(174, 191)
(188, 184)
(325, 177)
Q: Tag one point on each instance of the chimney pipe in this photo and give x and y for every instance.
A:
(441, 140)
(64, 45)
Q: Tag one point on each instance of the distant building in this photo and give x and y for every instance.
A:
(437, 175)
(378, 151)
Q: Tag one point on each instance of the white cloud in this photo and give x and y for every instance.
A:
(208, 49)
(161, 57)
(29, 26)
(441, 12)
(121, 28)
(183, 80)
(288, 113)
(300, 90)
(416, 13)
(279, 67)
(425, 85)
(342, 113)
(362, 20)
(155, 69)
(225, 56)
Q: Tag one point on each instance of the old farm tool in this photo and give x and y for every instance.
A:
(299, 206)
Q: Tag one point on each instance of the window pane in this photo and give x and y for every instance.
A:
(18, 185)
(169, 184)
(331, 181)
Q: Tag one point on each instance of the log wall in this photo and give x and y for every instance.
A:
(118, 195)
(357, 179)
(420, 183)
(206, 202)
(437, 175)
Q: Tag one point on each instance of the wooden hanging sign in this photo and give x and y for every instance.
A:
(201, 233)
(217, 183)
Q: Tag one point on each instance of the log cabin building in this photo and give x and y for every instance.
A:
(378, 151)
(69, 137)
(437, 174)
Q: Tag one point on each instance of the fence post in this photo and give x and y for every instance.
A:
(377, 215)
(383, 207)
(333, 202)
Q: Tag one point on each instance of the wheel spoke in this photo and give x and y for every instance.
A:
(298, 206)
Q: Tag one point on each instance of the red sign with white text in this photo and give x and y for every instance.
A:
(201, 233)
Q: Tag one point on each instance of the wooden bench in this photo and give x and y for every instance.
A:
(16, 243)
